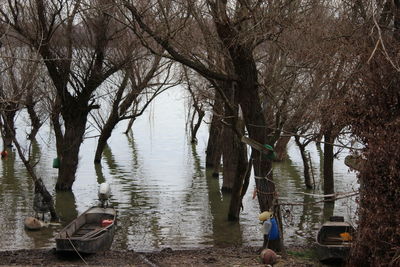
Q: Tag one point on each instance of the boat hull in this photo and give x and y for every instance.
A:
(334, 241)
(332, 253)
(86, 234)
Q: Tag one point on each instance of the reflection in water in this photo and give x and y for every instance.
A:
(162, 192)
(131, 142)
(35, 152)
(16, 194)
(65, 205)
(302, 221)
(223, 231)
(99, 173)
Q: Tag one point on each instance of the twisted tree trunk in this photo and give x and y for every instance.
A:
(306, 166)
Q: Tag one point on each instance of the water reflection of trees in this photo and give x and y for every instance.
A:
(65, 205)
(138, 221)
(223, 231)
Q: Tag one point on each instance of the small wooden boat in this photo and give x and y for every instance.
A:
(93, 231)
(334, 239)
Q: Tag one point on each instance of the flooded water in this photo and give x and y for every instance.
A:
(164, 195)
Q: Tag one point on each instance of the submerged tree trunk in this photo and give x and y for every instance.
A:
(194, 127)
(8, 126)
(306, 166)
(75, 117)
(329, 183)
(281, 147)
(230, 141)
(249, 101)
(230, 158)
(130, 124)
(35, 120)
(55, 120)
(239, 183)
(214, 147)
(104, 136)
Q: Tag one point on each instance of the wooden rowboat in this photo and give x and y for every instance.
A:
(93, 231)
(334, 239)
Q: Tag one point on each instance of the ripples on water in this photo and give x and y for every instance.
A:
(163, 194)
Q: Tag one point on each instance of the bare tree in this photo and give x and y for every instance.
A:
(17, 77)
(74, 40)
(143, 81)
(239, 27)
(197, 102)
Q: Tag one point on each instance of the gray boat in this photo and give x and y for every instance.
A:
(93, 231)
(334, 240)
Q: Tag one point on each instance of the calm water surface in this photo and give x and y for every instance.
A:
(164, 195)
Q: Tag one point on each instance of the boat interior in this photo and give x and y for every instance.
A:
(88, 225)
(336, 235)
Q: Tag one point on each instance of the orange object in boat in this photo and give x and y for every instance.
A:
(105, 223)
(4, 153)
(346, 236)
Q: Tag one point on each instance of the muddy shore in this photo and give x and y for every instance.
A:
(247, 256)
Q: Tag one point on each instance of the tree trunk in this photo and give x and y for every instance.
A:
(55, 119)
(130, 124)
(306, 166)
(241, 174)
(230, 152)
(36, 123)
(75, 123)
(281, 148)
(9, 127)
(249, 101)
(104, 136)
(195, 127)
(230, 142)
(329, 184)
(214, 147)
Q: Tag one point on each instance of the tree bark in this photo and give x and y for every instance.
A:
(75, 117)
(130, 124)
(230, 158)
(249, 101)
(230, 142)
(214, 147)
(195, 128)
(329, 184)
(35, 120)
(239, 183)
(55, 119)
(306, 166)
(104, 136)
(281, 148)
(8, 126)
